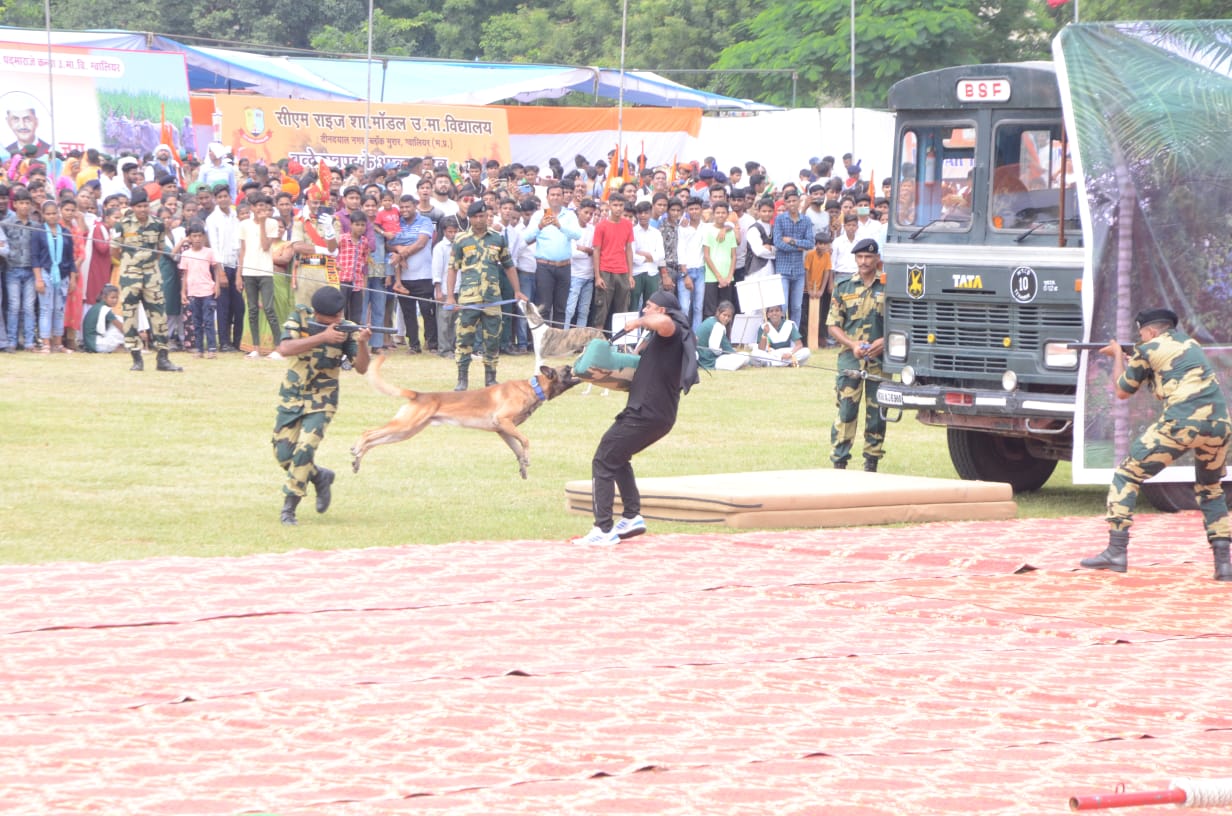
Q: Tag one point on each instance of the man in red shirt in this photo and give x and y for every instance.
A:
(613, 245)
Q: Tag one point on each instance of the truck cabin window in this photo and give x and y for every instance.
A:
(934, 180)
(1028, 177)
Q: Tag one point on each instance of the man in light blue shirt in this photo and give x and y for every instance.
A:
(553, 231)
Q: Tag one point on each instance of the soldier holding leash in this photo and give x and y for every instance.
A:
(857, 324)
(1194, 418)
(308, 397)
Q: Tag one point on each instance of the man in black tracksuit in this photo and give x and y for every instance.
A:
(668, 366)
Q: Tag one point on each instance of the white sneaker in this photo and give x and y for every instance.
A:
(253, 355)
(273, 355)
(598, 538)
(629, 527)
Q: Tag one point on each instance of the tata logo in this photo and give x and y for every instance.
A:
(915, 282)
(968, 282)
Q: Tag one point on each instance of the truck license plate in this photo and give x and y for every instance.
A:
(886, 396)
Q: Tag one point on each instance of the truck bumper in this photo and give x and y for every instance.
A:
(976, 402)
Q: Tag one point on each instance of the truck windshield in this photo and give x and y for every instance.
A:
(934, 176)
(1027, 179)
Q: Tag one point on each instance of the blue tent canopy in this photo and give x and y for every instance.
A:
(393, 79)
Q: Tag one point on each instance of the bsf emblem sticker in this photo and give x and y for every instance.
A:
(1023, 284)
(915, 282)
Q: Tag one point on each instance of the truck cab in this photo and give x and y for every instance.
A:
(983, 266)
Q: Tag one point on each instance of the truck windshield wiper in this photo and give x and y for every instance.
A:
(947, 220)
(1038, 225)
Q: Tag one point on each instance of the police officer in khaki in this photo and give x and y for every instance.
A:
(857, 323)
(1194, 418)
(308, 396)
(479, 255)
(136, 242)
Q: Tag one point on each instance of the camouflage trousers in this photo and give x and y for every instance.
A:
(295, 445)
(145, 287)
(1159, 446)
(473, 321)
(844, 431)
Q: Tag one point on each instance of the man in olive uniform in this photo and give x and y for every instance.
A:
(479, 255)
(137, 241)
(1195, 417)
(857, 324)
(308, 396)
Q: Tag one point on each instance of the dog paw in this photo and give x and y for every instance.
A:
(355, 465)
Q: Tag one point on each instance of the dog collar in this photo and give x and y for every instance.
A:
(534, 383)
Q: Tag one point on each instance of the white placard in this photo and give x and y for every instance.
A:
(760, 293)
(746, 328)
(619, 319)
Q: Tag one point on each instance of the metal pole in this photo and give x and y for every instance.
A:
(620, 102)
(795, 77)
(368, 114)
(51, 90)
(853, 77)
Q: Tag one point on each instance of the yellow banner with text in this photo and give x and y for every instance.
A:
(266, 129)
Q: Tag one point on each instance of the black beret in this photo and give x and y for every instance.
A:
(475, 208)
(328, 300)
(138, 196)
(165, 179)
(867, 245)
(1148, 316)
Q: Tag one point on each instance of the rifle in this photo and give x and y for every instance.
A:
(1128, 348)
(348, 328)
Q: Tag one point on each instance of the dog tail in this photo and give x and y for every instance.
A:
(374, 379)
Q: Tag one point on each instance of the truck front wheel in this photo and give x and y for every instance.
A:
(990, 458)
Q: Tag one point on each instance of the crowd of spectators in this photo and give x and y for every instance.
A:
(243, 242)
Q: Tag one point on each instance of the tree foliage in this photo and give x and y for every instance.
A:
(894, 38)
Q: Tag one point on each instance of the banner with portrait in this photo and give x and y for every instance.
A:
(1147, 108)
(266, 129)
(99, 97)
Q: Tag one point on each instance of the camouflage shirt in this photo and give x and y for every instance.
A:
(859, 311)
(479, 262)
(140, 244)
(311, 382)
(1180, 374)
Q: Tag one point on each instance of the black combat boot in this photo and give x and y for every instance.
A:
(463, 373)
(1114, 557)
(489, 376)
(870, 464)
(323, 482)
(138, 363)
(164, 362)
(840, 465)
(288, 509)
(1223, 565)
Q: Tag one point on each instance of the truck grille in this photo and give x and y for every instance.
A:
(969, 337)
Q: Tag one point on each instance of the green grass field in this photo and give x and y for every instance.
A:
(103, 463)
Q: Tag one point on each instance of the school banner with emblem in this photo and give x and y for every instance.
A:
(99, 97)
(268, 129)
(1148, 105)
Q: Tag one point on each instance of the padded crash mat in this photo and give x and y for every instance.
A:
(810, 498)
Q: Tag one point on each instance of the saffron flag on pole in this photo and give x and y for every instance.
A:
(166, 135)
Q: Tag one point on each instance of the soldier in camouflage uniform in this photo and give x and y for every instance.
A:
(308, 397)
(137, 241)
(857, 322)
(1195, 418)
(479, 255)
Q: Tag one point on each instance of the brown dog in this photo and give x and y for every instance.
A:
(499, 408)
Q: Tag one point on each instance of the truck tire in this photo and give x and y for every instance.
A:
(1173, 497)
(990, 458)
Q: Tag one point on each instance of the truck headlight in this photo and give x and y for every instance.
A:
(1056, 355)
(896, 346)
(907, 375)
(1009, 381)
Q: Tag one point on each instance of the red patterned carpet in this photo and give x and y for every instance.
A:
(914, 670)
